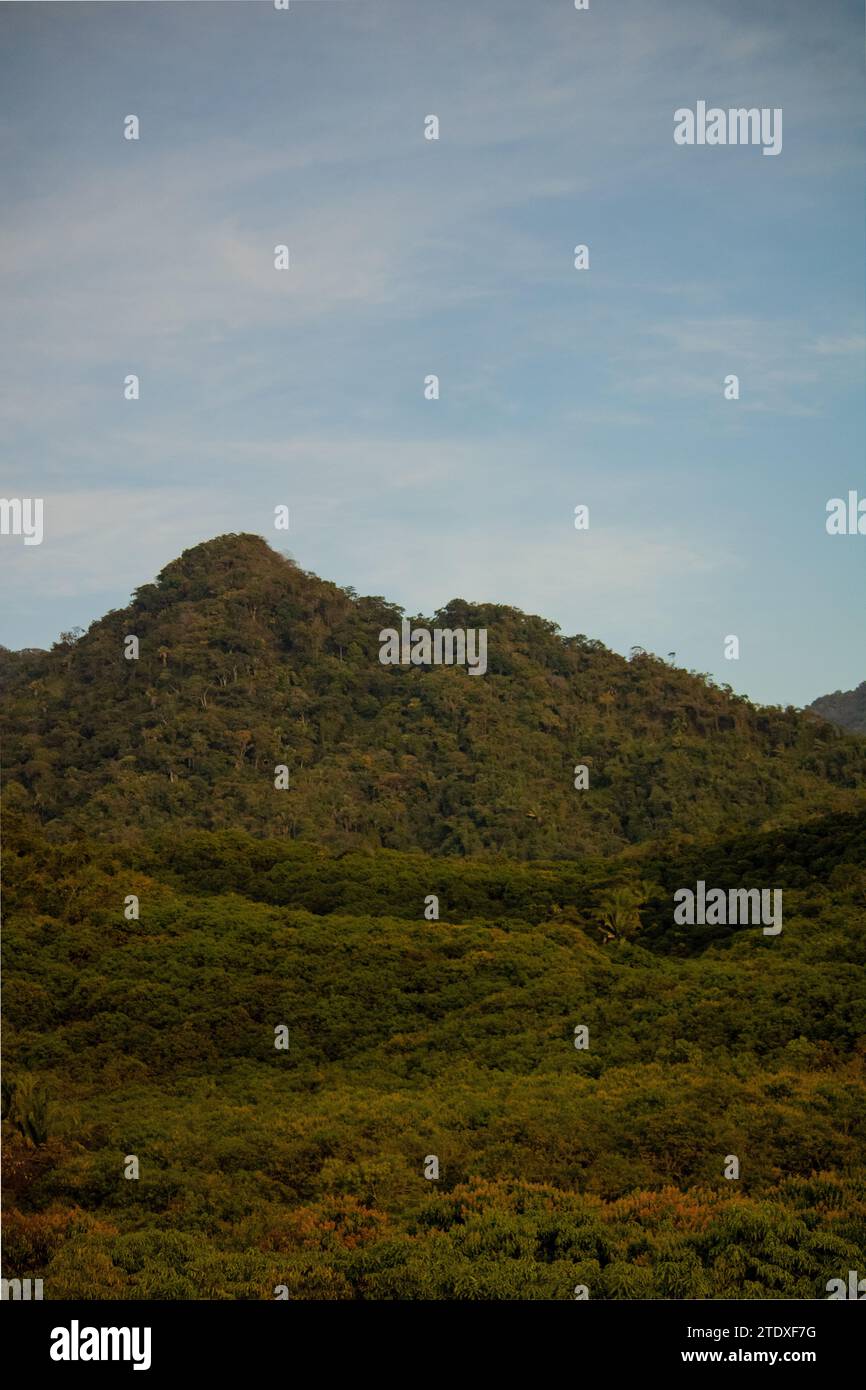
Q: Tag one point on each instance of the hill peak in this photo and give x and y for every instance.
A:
(244, 663)
(225, 559)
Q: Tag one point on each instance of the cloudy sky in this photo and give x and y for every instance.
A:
(454, 257)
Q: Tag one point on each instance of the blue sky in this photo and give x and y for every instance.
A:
(455, 257)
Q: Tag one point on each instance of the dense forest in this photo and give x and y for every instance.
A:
(241, 1023)
(247, 663)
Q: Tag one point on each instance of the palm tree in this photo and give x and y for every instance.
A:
(619, 910)
(26, 1107)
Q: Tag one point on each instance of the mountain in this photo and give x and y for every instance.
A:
(845, 708)
(247, 663)
(352, 1049)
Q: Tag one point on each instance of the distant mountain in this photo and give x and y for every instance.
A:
(845, 708)
(247, 663)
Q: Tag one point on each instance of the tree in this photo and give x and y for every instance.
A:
(25, 1106)
(619, 910)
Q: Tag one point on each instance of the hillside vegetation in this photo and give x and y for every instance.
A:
(462, 958)
(845, 708)
(304, 1168)
(247, 663)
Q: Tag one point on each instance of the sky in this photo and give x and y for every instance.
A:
(409, 257)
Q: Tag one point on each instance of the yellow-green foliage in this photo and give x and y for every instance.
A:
(304, 1168)
(246, 662)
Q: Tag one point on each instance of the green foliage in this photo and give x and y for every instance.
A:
(247, 662)
(304, 1168)
(845, 708)
(26, 1108)
(619, 910)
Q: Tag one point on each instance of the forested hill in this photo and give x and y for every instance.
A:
(845, 708)
(247, 662)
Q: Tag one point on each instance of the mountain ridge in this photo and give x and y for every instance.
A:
(844, 708)
(247, 662)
